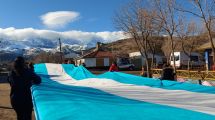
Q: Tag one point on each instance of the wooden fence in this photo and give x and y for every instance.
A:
(194, 75)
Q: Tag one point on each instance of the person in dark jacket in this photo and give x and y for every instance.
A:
(21, 79)
(83, 64)
(31, 66)
(168, 73)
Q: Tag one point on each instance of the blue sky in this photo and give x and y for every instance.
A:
(94, 15)
(77, 21)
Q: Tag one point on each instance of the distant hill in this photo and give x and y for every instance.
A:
(10, 49)
(122, 46)
(126, 46)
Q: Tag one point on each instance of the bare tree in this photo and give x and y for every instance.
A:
(155, 39)
(188, 33)
(45, 57)
(155, 44)
(137, 21)
(166, 48)
(167, 15)
(205, 11)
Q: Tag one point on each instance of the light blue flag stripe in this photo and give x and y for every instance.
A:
(82, 73)
(54, 101)
(77, 73)
(171, 96)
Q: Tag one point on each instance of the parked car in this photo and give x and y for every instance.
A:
(125, 64)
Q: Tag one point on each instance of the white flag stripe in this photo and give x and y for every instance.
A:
(201, 102)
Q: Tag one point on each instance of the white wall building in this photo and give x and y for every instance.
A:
(181, 59)
(139, 61)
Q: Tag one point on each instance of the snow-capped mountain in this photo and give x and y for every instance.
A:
(28, 41)
(32, 47)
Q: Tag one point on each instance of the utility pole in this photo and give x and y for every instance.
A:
(61, 54)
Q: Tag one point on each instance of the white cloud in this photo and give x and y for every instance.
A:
(77, 37)
(59, 19)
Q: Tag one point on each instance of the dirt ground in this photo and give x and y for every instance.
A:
(6, 111)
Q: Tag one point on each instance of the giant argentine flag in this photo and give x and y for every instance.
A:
(74, 93)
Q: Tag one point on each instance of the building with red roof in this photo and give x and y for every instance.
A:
(96, 58)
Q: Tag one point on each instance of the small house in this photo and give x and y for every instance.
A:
(97, 58)
(208, 56)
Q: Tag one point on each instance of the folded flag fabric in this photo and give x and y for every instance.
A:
(206, 83)
(74, 93)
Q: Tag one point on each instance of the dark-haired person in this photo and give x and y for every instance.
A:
(31, 66)
(168, 73)
(113, 67)
(143, 72)
(83, 64)
(21, 79)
